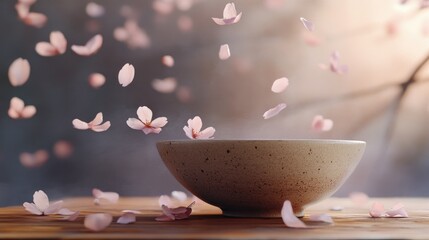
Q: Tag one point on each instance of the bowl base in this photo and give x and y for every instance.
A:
(257, 214)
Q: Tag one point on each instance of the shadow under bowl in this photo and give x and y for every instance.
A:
(252, 178)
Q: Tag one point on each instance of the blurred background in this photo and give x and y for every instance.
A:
(382, 99)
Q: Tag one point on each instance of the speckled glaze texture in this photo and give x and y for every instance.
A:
(252, 178)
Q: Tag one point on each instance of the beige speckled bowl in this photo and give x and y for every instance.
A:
(252, 178)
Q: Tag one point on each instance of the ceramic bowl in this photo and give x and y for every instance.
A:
(252, 178)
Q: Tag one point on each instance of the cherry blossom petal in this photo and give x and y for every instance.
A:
(321, 218)
(229, 15)
(46, 49)
(274, 111)
(90, 48)
(31, 207)
(159, 122)
(96, 80)
(37, 20)
(167, 212)
(58, 40)
(196, 123)
(164, 218)
(54, 208)
(98, 221)
(164, 200)
(307, 24)
(97, 120)
(63, 149)
(17, 104)
(73, 217)
(135, 123)
(22, 9)
(101, 128)
(127, 218)
(289, 219)
(188, 131)
(94, 10)
(79, 124)
(377, 210)
(111, 197)
(145, 114)
(66, 212)
(33, 160)
(206, 133)
(148, 130)
(185, 23)
(168, 61)
(121, 34)
(224, 52)
(320, 124)
(28, 111)
(19, 72)
(280, 85)
(166, 85)
(179, 195)
(397, 211)
(41, 200)
(17, 109)
(163, 7)
(126, 75)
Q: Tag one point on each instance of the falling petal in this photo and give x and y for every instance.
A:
(307, 24)
(46, 49)
(94, 10)
(280, 85)
(185, 23)
(184, 94)
(166, 85)
(90, 48)
(377, 210)
(96, 80)
(135, 124)
(37, 20)
(224, 52)
(320, 124)
(274, 111)
(98, 221)
(164, 200)
(229, 15)
(321, 218)
(289, 219)
(126, 75)
(19, 72)
(111, 197)
(58, 40)
(127, 218)
(163, 7)
(102, 127)
(178, 195)
(184, 5)
(168, 61)
(34, 160)
(397, 211)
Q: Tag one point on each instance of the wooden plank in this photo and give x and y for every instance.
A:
(207, 223)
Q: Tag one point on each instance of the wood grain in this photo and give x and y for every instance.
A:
(207, 223)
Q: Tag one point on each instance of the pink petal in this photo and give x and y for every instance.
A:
(17, 104)
(164, 218)
(188, 132)
(96, 80)
(121, 34)
(145, 114)
(159, 122)
(185, 23)
(229, 11)
(219, 21)
(79, 124)
(280, 85)
(322, 125)
(41, 200)
(163, 7)
(97, 120)
(184, 5)
(19, 72)
(111, 197)
(23, 10)
(94, 10)
(46, 49)
(65, 212)
(377, 210)
(166, 85)
(311, 39)
(321, 218)
(307, 24)
(63, 149)
(135, 123)
(180, 196)
(274, 111)
(126, 75)
(127, 218)
(196, 124)
(336, 208)
(397, 211)
(58, 41)
(37, 20)
(148, 130)
(54, 208)
(90, 48)
(167, 212)
(98, 221)
(206, 133)
(31, 207)
(184, 94)
(289, 219)
(168, 61)
(36, 159)
(164, 200)
(101, 128)
(28, 111)
(224, 52)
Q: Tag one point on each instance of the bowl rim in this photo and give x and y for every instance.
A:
(323, 141)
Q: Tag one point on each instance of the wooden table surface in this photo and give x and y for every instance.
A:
(207, 223)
